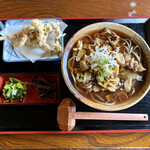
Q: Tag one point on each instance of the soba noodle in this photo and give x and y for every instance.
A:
(104, 63)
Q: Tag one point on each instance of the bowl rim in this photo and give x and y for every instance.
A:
(80, 97)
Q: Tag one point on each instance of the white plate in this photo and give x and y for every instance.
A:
(10, 54)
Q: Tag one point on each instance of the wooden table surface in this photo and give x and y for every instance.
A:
(67, 9)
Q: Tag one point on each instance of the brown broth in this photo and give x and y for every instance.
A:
(103, 94)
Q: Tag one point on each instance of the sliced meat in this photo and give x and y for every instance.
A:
(80, 54)
(127, 73)
(79, 44)
(132, 64)
(127, 58)
(83, 66)
(128, 85)
(96, 88)
(120, 59)
(87, 77)
(141, 68)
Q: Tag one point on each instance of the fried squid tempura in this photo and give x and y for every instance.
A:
(36, 36)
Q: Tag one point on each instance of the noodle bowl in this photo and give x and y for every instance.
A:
(105, 67)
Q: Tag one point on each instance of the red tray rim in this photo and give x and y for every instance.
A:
(68, 18)
(83, 131)
(76, 132)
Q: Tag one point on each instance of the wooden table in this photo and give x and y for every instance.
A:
(67, 9)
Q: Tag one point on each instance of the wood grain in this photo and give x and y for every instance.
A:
(124, 140)
(71, 8)
(63, 9)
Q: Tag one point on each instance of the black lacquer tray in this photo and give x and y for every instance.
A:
(41, 118)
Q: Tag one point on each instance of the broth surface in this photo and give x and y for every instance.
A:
(107, 85)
